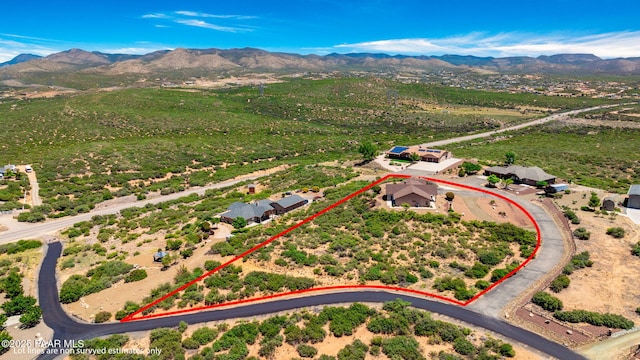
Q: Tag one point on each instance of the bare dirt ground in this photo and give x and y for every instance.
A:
(608, 286)
(114, 298)
(487, 209)
(607, 123)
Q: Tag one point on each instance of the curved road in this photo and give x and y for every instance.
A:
(489, 306)
(66, 328)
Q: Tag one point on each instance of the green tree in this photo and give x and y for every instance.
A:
(510, 157)
(594, 201)
(507, 182)
(368, 151)
(470, 168)
(31, 317)
(414, 157)
(239, 222)
(12, 284)
(167, 260)
(449, 196)
(493, 179)
(541, 184)
(18, 305)
(4, 336)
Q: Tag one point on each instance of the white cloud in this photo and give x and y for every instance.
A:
(206, 25)
(155, 16)
(606, 45)
(205, 15)
(10, 48)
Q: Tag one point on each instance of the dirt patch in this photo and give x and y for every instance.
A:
(609, 285)
(605, 123)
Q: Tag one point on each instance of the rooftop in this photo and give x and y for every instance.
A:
(634, 190)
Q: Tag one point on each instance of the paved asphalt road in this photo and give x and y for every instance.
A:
(66, 328)
(518, 127)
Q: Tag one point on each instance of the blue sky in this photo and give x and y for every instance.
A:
(481, 28)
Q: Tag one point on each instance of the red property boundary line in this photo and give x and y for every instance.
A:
(132, 317)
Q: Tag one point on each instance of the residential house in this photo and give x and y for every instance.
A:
(288, 203)
(261, 210)
(424, 153)
(256, 212)
(413, 192)
(634, 197)
(520, 174)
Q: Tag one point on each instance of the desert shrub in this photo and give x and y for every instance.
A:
(204, 335)
(635, 250)
(211, 264)
(569, 214)
(463, 346)
(578, 261)
(616, 232)
(547, 301)
(20, 246)
(477, 271)
(306, 351)
(582, 234)
(357, 350)
(482, 284)
(101, 317)
(136, 275)
(402, 347)
(609, 320)
(559, 283)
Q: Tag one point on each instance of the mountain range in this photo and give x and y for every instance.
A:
(256, 59)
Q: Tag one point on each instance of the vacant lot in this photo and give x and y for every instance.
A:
(609, 285)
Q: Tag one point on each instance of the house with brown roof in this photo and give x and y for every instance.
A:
(521, 175)
(424, 153)
(413, 192)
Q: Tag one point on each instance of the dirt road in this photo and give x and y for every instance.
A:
(19, 231)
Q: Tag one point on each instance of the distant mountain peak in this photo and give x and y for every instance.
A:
(20, 59)
(252, 58)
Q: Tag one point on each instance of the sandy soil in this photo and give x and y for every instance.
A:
(487, 209)
(606, 123)
(608, 286)
(114, 298)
